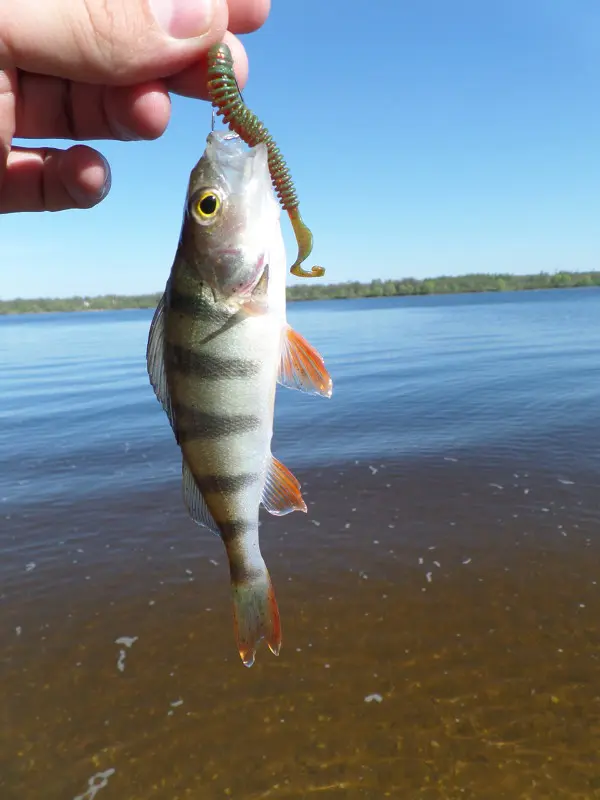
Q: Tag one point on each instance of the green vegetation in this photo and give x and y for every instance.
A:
(444, 285)
(312, 290)
(106, 302)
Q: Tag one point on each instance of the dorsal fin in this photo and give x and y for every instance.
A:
(155, 361)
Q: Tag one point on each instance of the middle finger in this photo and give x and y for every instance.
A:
(246, 16)
(54, 108)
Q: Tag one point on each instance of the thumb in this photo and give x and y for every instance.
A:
(118, 42)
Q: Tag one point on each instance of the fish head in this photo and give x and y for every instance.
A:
(231, 212)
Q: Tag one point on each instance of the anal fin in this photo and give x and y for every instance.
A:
(302, 367)
(281, 494)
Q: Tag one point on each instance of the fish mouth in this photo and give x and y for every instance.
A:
(238, 161)
(228, 141)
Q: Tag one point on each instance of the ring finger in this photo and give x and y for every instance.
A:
(48, 179)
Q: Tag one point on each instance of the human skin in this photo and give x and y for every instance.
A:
(99, 69)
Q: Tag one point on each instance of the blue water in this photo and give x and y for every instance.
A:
(515, 375)
(457, 585)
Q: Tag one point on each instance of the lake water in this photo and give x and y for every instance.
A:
(439, 601)
(514, 373)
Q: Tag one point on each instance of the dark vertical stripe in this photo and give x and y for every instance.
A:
(225, 484)
(194, 424)
(235, 529)
(240, 570)
(188, 304)
(196, 305)
(208, 367)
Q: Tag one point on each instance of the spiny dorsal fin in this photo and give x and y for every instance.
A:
(281, 493)
(302, 367)
(194, 502)
(155, 361)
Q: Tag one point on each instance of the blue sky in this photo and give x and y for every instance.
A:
(425, 138)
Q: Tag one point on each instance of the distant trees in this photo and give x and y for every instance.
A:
(311, 290)
(105, 302)
(479, 282)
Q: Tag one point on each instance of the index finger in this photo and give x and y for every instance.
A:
(246, 16)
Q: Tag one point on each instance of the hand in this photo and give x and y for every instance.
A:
(99, 69)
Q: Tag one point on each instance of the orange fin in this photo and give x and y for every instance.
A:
(302, 367)
(255, 617)
(281, 493)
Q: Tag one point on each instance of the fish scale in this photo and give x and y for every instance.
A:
(219, 343)
(224, 424)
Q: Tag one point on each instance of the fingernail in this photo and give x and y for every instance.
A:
(123, 133)
(83, 189)
(183, 19)
(107, 179)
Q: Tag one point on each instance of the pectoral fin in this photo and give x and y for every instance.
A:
(155, 361)
(302, 367)
(281, 493)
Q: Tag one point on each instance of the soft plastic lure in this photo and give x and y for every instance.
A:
(227, 100)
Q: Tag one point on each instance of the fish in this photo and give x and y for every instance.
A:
(218, 346)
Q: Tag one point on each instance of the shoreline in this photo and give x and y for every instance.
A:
(77, 304)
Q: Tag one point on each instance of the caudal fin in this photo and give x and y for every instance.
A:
(255, 616)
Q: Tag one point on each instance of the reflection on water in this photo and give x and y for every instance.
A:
(440, 641)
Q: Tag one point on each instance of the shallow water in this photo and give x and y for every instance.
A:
(439, 601)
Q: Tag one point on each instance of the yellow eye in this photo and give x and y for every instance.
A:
(208, 205)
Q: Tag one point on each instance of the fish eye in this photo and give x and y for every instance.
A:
(207, 205)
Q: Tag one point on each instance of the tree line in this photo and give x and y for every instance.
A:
(312, 290)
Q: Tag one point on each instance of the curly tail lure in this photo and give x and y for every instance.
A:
(227, 100)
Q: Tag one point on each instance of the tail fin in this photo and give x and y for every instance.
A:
(255, 616)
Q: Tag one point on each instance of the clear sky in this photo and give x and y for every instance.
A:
(425, 138)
